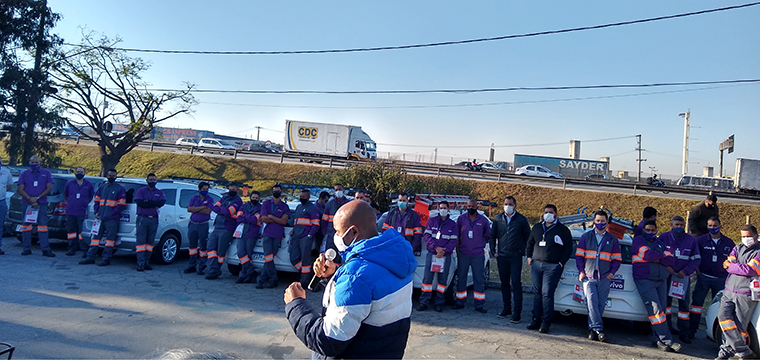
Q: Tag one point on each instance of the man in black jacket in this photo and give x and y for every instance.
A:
(699, 214)
(550, 246)
(509, 234)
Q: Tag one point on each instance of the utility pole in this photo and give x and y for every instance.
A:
(435, 157)
(490, 158)
(685, 167)
(639, 160)
(258, 132)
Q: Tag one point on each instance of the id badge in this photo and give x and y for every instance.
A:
(715, 258)
(471, 234)
(399, 229)
(438, 236)
(78, 196)
(678, 252)
(35, 184)
(542, 243)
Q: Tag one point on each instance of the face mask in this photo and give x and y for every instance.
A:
(111, 180)
(340, 244)
(254, 202)
(748, 241)
(79, 176)
(339, 194)
(509, 209)
(402, 205)
(204, 193)
(472, 211)
(276, 194)
(151, 184)
(549, 217)
(649, 236)
(714, 230)
(232, 194)
(304, 201)
(443, 212)
(679, 230)
(600, 226)
(34, 166)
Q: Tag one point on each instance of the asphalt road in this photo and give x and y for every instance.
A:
(55, 308)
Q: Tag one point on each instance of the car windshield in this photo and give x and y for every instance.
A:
(222, 142)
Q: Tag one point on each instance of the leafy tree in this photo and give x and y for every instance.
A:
(102, 87)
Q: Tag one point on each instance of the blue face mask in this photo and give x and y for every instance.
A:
(34, 166)
(650, 236)
(402, 205)
(204, 193)
(679, 230)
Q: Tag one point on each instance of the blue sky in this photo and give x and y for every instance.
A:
(717, 46)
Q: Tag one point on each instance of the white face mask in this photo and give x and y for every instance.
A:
(549, 217)
(509, 209)
(748, 241)
(339, 194)
(443, 212)
(339, 243)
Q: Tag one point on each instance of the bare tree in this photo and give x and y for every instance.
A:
(102, 87)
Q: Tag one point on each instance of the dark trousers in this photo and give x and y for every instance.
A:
(269, 273)
(510, 271)
(108, 231)
(300, 257)
(42, 229)
(146, 235)
(197, 234)
(734, 317)
(74, 226)
(477, 263)
(217, 245)
(545, 277)
(245, 255)
(683, 307)
(428, 286)
(654, 294)
(703, 285)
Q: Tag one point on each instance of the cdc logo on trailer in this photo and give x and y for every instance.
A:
(306, 132)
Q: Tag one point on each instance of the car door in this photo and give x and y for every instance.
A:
(542, 172)
(530, 170)
(168, 215)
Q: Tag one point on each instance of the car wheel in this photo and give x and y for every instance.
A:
(201, 151)
(753, 342)
(552, 177)
(168, 248)
(234, 269)
(522, 174)
(449, 296)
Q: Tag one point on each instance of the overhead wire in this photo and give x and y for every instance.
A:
(502, 146)
(433, 44)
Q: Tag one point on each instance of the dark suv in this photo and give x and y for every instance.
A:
(56, 209)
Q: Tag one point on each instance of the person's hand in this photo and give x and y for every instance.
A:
(581, 276)
(97, 216)
(610, 276)
(681, 274)
(726, 264)
(33, 201)
(530, 261)
(670, 270)
(417, 253)
(324, 268)
(495, 254)
(440, 252)
(294, 291)
(292, 232)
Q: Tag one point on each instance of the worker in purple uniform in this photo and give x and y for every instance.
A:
(305, 227)
(714, 249)
(110, 200)
(685, 251)
(149, 200)
(474, 232)
(440, 237)
(249, 217)
(328, 215)
(34, 185)
(226, 210)
(78, 193)
(649, 213)
(407, 222)
(197, 230)
(275, 214)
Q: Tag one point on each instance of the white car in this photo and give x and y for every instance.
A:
(216, 145)
(624, 301)
(186, 142)
(713, 328)
(538, 171)
(490, 166)
(171, 236)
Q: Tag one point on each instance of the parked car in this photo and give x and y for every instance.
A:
(262, 148)
(539, 171)
(716, 334)
(186, 142)
(624, 301)
(207, 144)
(597, 177)
(171, 236)
(56, 209)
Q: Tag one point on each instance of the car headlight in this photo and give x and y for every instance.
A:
(717, 297)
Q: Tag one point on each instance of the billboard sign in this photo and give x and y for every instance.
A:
(564, 166)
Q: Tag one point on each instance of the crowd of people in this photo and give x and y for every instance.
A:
(663, 265)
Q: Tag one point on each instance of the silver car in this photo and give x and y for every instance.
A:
(171, 236)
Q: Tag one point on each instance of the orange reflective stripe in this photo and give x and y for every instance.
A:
(478, 295)
(386, 226)
(71, 236)
(441, 288)
(461, 295)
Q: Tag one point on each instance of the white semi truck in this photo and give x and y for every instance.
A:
(330, 140)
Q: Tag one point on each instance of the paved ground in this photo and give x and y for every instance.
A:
(55, 308)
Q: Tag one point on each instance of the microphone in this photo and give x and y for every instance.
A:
(330, 255)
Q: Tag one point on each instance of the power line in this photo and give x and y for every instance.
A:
(503, 146)
(466, 91)
(473, 104)
(444, 43)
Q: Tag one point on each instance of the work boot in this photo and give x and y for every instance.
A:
(240, 280)
(26, 252)
(189, 270)
(515, 319)
(602, 336)
(592, 335)
(140, 268)
(71, 253)
(201, 271)
(481, 310)
(87, 261)
(48, 253)
(660, 345)
(439, 308)
(534, 324)
(271, 285)
(458, 307)
(422, 307)
(147, 266)
(84, 254)
(504, 313)
(544, 328)
(104, 263)
(675, 347)
(213, 274)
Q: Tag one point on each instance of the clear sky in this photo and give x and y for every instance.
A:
(717, 46)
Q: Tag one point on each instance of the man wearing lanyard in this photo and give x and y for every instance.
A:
(550, 246)
(275, 214)
(407, 222)
(474, 232)
(250, 217)
(328, 214)
(685, 250)
(714, 249)
(197, 230)
(78, 193)
(6, 181)
(598, 258)
(226, 210)
(440, 238)
(34, 185)
(148, 199)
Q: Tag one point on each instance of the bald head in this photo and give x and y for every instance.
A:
(358, 214)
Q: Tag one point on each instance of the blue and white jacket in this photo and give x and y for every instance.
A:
(367, 303)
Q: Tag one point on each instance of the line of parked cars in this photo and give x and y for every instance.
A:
(224, 147)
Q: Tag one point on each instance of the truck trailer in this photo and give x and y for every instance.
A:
(329, 140)
(747, 177)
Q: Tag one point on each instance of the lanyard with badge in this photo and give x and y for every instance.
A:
(543, 237)
(471, 234)
(400, 221)
(713, 249)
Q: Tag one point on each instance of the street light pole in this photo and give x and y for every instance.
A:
(685, 166)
